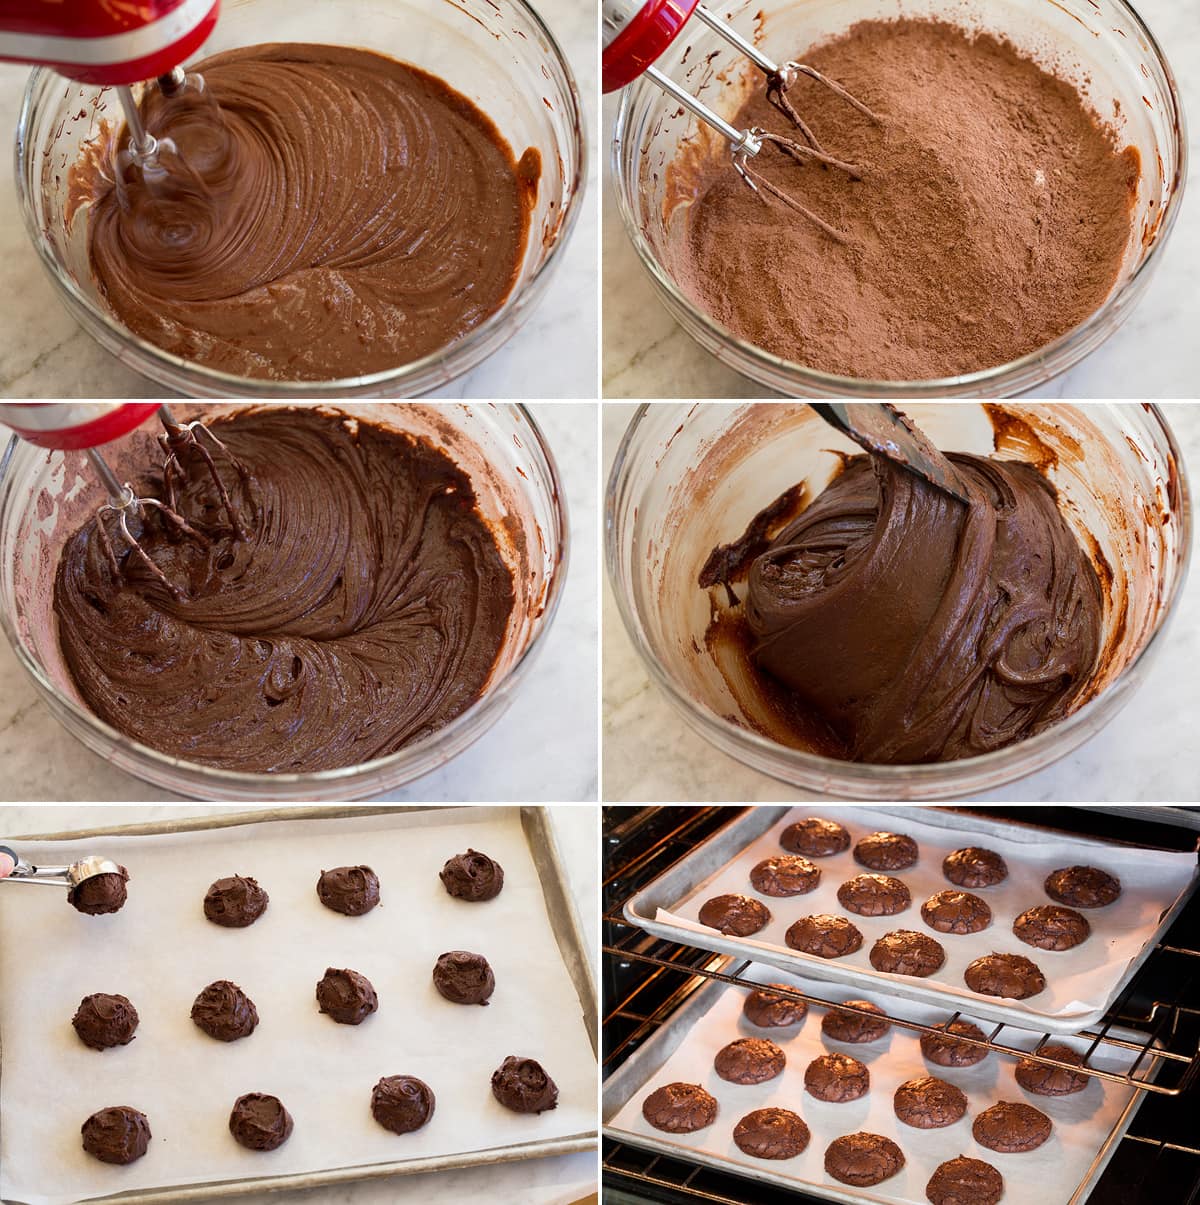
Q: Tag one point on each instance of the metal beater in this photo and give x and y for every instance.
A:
(637, 32)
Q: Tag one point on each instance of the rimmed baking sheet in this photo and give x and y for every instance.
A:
(1081, 983)
(1087, 1125)
(160, 951)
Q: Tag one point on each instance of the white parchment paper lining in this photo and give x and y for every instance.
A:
(1078, 981)
(1050, 1174)
(160, 951)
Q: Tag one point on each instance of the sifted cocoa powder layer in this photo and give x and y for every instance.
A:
(992, 215)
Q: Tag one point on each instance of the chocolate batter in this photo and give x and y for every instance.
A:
(103, 1021)
(119, 1134)
(363, 608)
(335, 213)
(991, 213)
(101, 894)
(259, 1122)
(896, 624)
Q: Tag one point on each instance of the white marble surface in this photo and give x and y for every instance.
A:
(44, 353)
(1147, 753)
(647, 355)
(561, 1180)
(543, 748)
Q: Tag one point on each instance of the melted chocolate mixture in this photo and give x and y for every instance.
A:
(899, 625)
(363, 609)
(333, 213)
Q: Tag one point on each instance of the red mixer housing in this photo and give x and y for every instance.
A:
(636, 34)
(68, 426)
(105, 41)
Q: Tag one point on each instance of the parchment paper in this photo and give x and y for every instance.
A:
(1050, 1174)
(1079, 982)
(160, 951)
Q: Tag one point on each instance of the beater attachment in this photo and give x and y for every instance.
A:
(183, 440)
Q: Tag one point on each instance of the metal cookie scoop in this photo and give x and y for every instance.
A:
(884, 431)
(57, 876)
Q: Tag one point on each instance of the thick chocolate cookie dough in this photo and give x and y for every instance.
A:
(225, 1012)
(769, 1011)
(101, 894)
(824, 935)
(841, 1025)
(472, 876)
(964, 1181)
(736, 915)
(785, 875)
(350, 890)
(815, 838)
(1083, 887)
(464, 978)
(929, 1103)
(333, 213)
(361, 607)
(402, 1103)
(749, 1061)
(523, 1086)
(837, 1078)
(863, 1159)
(235, 902)
(680, 1108)
(260, 1122)
(874, 895)
(346, 996)
(1052, 927)
(907, 626)
(116, 1135)
(771, 1134)
(887, 851)
(904, 952)
(103, 1021)
(1010, 1127)
(1010, 975)
(943, 1050)
(956, 912)
(1043, 1080)
(975, 867)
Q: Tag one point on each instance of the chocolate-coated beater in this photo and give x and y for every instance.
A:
(637, 32)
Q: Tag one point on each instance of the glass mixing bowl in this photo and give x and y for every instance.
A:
(1102, 42)
(689, 477)
(44, 496)
(499, 54)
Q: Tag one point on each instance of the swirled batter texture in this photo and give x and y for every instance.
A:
(363, 608)
(912, 627)
(334, 213)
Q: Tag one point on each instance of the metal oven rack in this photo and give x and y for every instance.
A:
(647, 978)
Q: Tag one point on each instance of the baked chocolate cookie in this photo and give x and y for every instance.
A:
(116, 1135)
(1052, 927)
(837, 1078)
(749, 1061)
(103, 1021)
(1082, 886)
(769, 1011)
(1043, 1080)
(929, 1103)
(874, 895)
(974, 867)
(1010, 1127)
(886, 851)
(964, 1181)
(842, 1025)
(680, 1108)
(946, 1051)
(824, 935)
(1010, 975)
(903, 952)
(736, 915)
(815, 838)
(785, 874)
(259, 1122)
(863, 1159)
(235, 902)
(771, 1134)
(956, 912)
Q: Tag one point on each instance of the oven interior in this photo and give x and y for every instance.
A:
(646, 979)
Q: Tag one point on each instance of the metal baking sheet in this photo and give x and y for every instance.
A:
(564, 924)
(1088, 1125)
(657, 907)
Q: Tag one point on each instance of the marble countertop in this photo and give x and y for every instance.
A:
(647, 355)
(1147, 753)
(543, 748)
(45, 354)
(561, 1180)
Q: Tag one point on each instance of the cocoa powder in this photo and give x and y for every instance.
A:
(992, 214)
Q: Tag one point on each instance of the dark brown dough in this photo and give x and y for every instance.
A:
(346, 996)
(235, 902)
(101, 894)
(116, 1135)
(259, 1122)
(523, 1086)
(402, 1103)
(350, 890)
(473, 876)
(103, 1021)
(225, 1012)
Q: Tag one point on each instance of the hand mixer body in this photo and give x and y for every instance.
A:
(105, 41)
(69, 426)
(636, 32)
